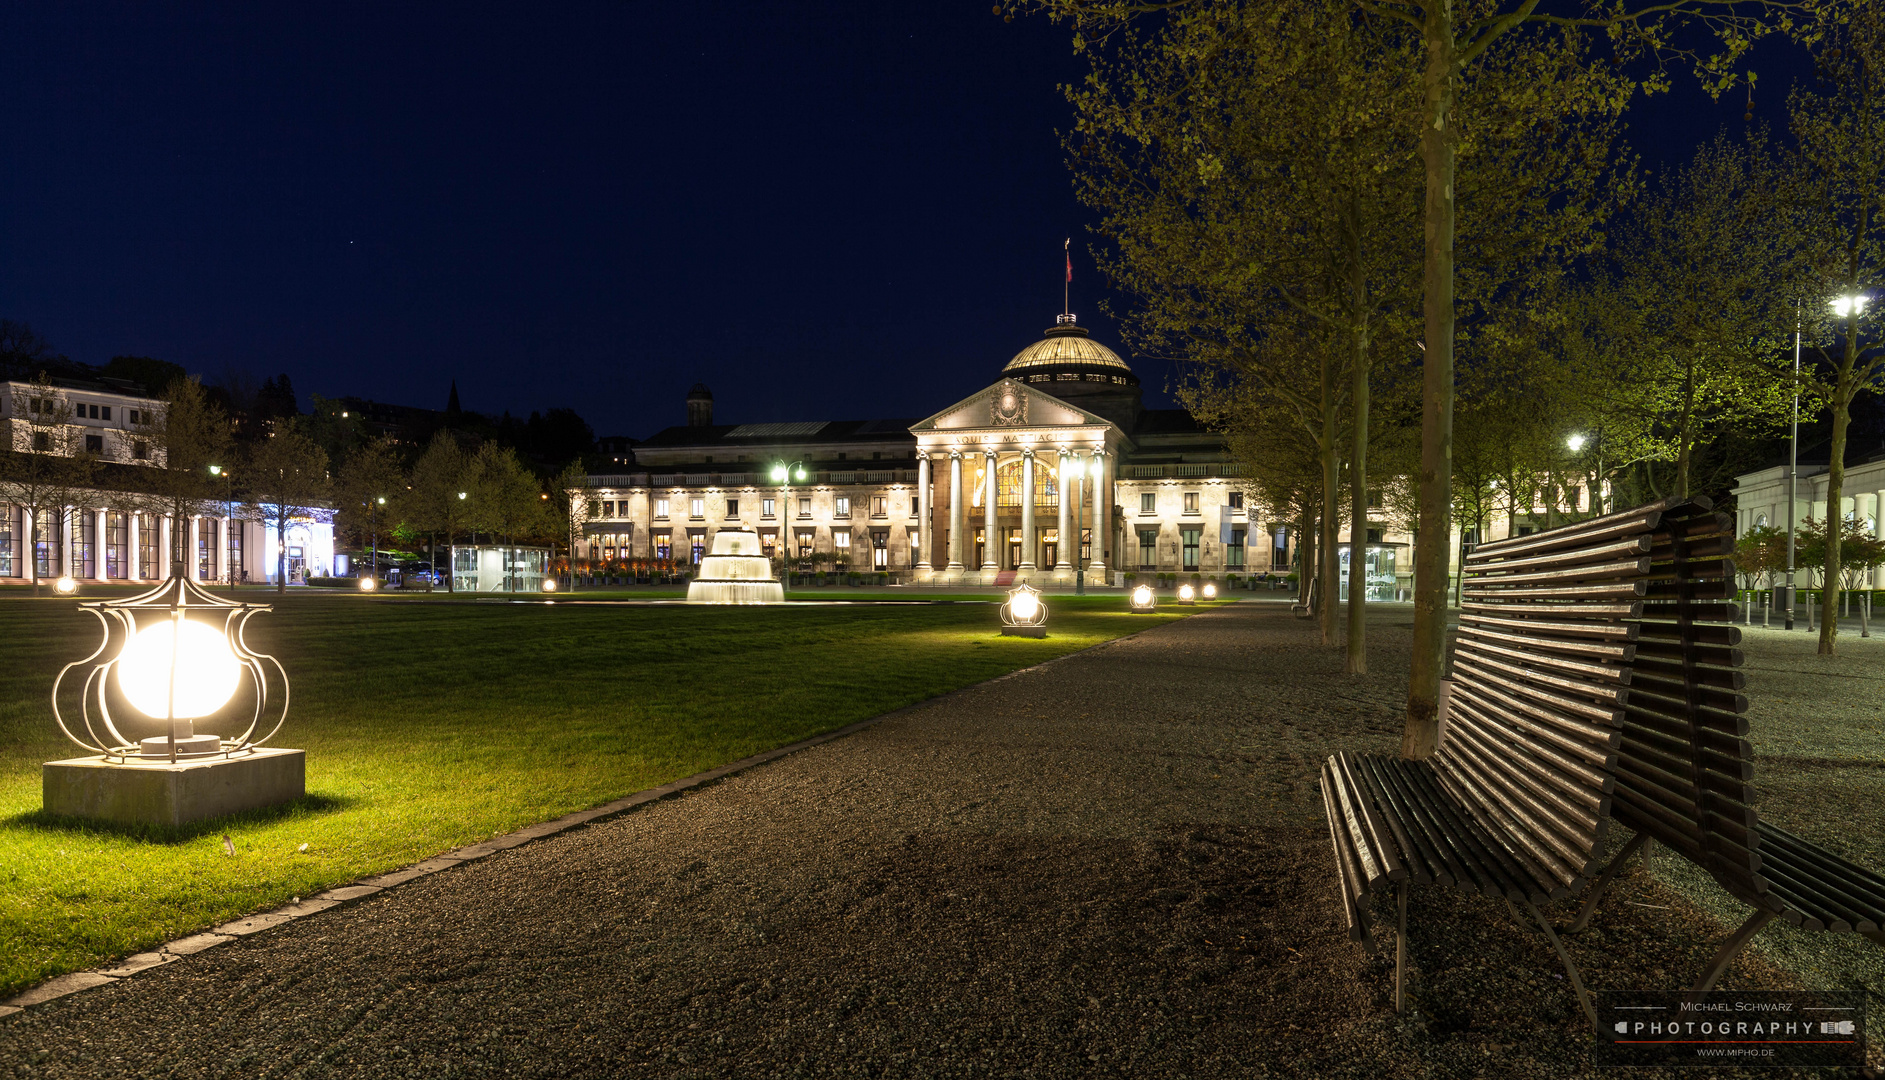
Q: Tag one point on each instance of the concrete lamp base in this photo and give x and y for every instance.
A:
(1025, 631)
(159, 793)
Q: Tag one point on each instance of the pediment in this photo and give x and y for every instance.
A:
(1008, 404)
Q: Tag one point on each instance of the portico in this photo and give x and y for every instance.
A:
(1019, 504)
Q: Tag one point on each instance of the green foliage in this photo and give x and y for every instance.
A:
(1759, 554)
(369, 493)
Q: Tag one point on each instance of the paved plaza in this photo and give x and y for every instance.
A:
(1115, 864)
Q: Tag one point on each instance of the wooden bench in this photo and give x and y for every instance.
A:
(1685, 772)
(1515, 801)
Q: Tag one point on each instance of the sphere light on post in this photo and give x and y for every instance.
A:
(67, 585)
(1023, 614)
(1210, 590)
(1187, 595)
(1144, 600)
(168, 659)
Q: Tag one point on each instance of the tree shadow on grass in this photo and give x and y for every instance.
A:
(306, 806)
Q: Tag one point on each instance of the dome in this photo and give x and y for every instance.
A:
(1064, 345)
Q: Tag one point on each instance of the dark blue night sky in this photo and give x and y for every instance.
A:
(821, 211)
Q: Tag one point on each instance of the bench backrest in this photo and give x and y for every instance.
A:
(1683, 778)
(1549, 627)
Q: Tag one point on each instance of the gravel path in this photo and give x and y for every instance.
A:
(1112, 865)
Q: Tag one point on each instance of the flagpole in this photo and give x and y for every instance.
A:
(1066, 303)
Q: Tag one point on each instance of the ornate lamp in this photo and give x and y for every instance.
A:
(167, 659)
(1144, 599)
(1187, 594)
(1023, 614)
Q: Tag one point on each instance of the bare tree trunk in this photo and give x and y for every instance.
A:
(1305, 553)
(281, 553)
(1835, 489)
(1685, 440)
(1358, 503)
(1327, 566)
(1422, 733)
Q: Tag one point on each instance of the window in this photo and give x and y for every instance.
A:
(840, 457)
(880, 506)
(1236, 500)
(206, 549)
(696, 545)
(661, 512)
(914, 506)
(232, 533)
(47, 545)
(94, 444)
(42, 442)
(696, 508)
(1148, 549)
(140, 450)
(710, 459)
(805, 508)
(1234, 554)
(916, 544)
(117, 546)
(664, 544)
(880, 549)
(84, 544)
(1190, 536)
(733, 509)
(841, 547)
(1374, 498)
(843, 507)
(134, 416)
(765, 507)
(769, 543)
(1374, 536)
(94, 413)
(1148, 503)
(147, 545)
(1191, 502)
(107, 412)
(1086, 545)
(804, 538)
(9, 544)
(876, 456)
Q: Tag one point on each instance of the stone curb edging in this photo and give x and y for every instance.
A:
(65, 985)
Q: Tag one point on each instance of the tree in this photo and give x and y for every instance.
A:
(24, 354)
(186, 436)
(155, 376)
(46, 468)
(572, 499)
(439, 499)
(369, 491)
(1683, 331)
(1839, 180)
(505, 497)
(1457, 40)
(287, 481)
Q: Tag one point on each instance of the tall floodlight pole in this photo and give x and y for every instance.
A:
(783, 474)
(1793, 464)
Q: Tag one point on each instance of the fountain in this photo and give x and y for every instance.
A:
(736, 571)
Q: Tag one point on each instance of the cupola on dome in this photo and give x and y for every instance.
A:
(1066, 345)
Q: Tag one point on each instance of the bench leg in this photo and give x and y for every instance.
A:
(1577, 983)
(1603, 882)
(1729, 948)
(1400, 943)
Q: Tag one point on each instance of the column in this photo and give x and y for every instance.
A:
(100, 566)
(989, 539)
(1063, 553)
(955, 510)
(132, 568)
(1027, 509)
(926, 510)
(1878, 530)
(1102, 503)
(191, 538)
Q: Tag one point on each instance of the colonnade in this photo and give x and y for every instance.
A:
(1071, 472)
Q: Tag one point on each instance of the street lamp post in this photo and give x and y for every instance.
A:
(373, 523)
(784, 474)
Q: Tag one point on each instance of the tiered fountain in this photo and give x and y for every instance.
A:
(736, 571)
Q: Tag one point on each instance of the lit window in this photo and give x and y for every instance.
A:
(880, 506)
(1191, 502)
(766, 507)
(696, 507)
(1148, 503)
(1191, 537)
(1234, 554)
(661, 509)
(844, 507)
(805, 508)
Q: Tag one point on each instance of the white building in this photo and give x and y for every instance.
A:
(106, 537)
(1761, 497)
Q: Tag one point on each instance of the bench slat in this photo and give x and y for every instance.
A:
(1608, 714)
(1602, 650)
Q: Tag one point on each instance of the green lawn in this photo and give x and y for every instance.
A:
(431, 725)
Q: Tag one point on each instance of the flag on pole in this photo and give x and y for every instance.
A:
(1067, 246)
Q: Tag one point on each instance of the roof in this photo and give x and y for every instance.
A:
(100, 385)
(804, 433)
(1065, 344)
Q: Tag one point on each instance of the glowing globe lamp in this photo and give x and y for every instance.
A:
(65, 586)
(368, 584)
(549, 584)
(1144, 599)
(1023, 615)
(1187, 595)
(1210, 590)
(178, 669)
